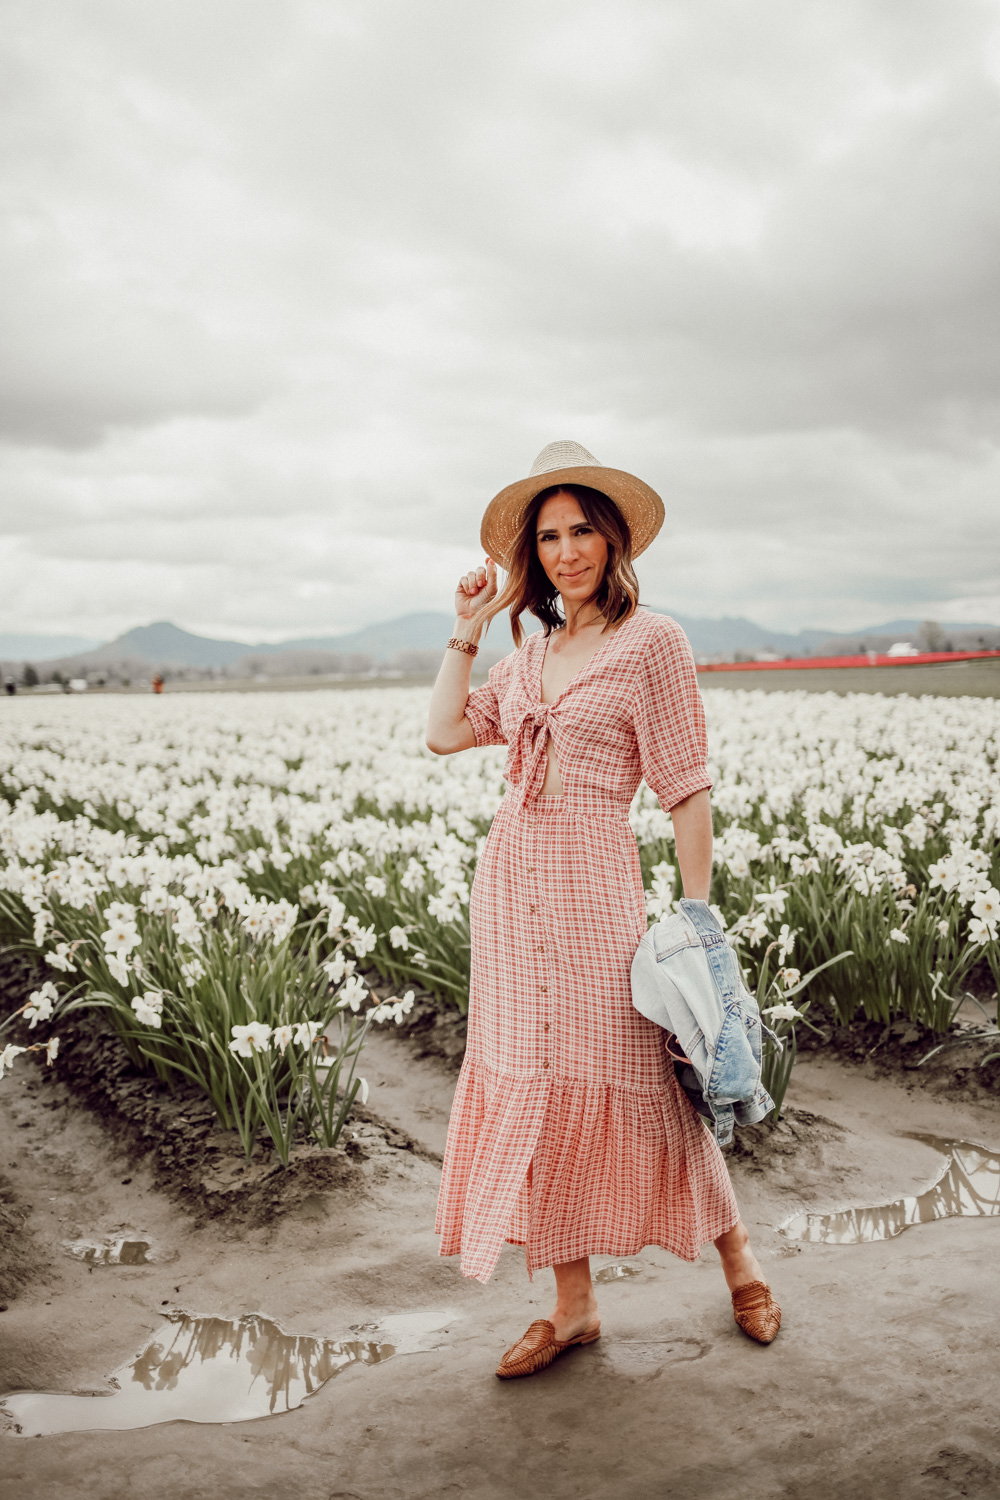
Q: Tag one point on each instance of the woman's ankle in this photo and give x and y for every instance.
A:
(576, 1306)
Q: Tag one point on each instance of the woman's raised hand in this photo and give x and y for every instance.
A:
(476, 590)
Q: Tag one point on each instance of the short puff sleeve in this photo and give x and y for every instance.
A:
(482, 708)
(669, 718)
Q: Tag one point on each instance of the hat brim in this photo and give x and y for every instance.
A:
(640, 506)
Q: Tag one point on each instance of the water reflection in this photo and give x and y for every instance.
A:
(969, 1187)
(617, 1272)
(112, 1252)
(200, 1370)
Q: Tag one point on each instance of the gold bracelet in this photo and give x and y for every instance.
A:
(456, 645)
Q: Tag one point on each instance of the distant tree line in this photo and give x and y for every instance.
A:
(929, 637)
(335, 666)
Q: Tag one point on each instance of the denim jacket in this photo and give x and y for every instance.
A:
(687, 979)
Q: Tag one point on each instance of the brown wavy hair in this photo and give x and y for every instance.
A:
(529, 587)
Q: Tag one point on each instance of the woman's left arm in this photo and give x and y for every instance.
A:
(669, 720)
(692, 820)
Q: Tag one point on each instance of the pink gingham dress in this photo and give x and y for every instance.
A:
(569, 1133)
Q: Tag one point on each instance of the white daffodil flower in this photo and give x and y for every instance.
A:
(337, 913)
(394, 1009)
(783, 1012)
(756, 929)
(772, 902)
(40, 1004)
(786, 942)
(986, 905)
(250, 1039)
(306, 1033)
(118, 968)
(119, 911)
(148, 1015)
(62, 958)
(282, 917)
(981, 932)
(443, 910)
(362, 939)
(353, 992)
(254, 918)
(335, 968)
(7, 1057)
(414, 877)
(120, 938)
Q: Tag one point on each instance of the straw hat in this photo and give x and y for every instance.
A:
(570, 463)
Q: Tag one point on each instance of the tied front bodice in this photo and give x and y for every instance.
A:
(529, 752)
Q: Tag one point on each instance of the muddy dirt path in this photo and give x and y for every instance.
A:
(883, 1380)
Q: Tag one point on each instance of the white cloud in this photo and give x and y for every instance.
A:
(298, 288)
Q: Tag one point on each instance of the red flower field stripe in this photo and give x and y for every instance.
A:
(874, 659)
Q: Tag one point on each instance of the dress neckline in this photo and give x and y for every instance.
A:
(587, 664)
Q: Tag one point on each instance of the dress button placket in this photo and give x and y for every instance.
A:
(539, 948)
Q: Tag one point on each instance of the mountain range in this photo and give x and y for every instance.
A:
(164, 644)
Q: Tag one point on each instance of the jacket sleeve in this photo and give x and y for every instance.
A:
(669, 718)
(482, 708)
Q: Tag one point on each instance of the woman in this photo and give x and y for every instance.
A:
(569, 1133)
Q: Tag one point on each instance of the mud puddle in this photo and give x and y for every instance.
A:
(115, 1251)
(618, 1272)
(217, 1371)
(969, 1187)
(412, 1332)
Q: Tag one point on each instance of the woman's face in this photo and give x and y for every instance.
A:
(573, 553)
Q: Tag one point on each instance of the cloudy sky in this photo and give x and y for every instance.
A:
(292, 288)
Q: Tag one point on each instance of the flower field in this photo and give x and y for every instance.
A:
(216, 871)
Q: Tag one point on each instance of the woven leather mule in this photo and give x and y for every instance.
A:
(538, 1348)
(756, 1311)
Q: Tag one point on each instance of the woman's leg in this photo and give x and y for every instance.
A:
(739, 1264)
(576, 1301)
